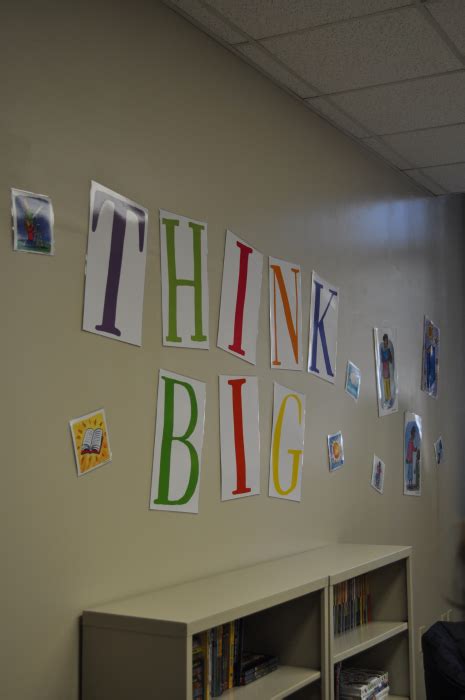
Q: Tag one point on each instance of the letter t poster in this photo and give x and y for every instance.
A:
(115, 266)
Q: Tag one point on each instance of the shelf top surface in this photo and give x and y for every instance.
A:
(203, 603)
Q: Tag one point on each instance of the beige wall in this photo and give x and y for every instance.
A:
(132, 96)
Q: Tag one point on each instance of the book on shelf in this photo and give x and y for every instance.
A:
(254, 666)
(362, 684)
(351, 604)
(219, 661)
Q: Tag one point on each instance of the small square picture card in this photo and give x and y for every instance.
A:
(335, 451)
(439, 451)
(90, 441)
(377, 475)
(32, 216)
(353, 378)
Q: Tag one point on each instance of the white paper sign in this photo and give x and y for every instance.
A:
(115, 267)
(285, 315)
(240, 298)
(178, 443)
(324, 310)
(184, 281)
(287, 444)
(240, 437)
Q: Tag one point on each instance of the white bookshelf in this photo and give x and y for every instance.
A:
(386, 642)
(141, 647)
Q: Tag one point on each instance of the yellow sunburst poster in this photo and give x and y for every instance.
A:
(90, 441)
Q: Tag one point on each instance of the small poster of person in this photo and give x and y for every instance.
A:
(32, 216)
(412, 454)
(377, 474)
(439, 451)
(386, 370)
(430, 364)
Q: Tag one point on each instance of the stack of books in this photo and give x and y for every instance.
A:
(352, 604)
(219, 663)
(254, 666)
(362, 684)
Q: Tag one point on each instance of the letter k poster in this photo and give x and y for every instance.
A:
(178, 443)
(324, 311)
(287, 444)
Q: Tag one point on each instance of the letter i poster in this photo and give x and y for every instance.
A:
(287, 444)
(240, 437)
(178, 443)
(240, 299)
(115, 266)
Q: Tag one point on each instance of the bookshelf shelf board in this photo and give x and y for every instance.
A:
(276, 685)
(397, 697)
(364, 637)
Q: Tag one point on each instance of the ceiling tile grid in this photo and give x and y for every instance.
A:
(390, 73)
(365, 51)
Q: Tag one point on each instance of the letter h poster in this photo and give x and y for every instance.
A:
(115, 266)
(184, 281)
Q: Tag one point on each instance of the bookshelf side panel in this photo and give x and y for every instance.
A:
(120, 665)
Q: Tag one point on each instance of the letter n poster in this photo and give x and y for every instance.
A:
(285, 315)
(184, 281)
(287, 444)
(115, 266)
(240, 299)
(178, 443)
(240, 437)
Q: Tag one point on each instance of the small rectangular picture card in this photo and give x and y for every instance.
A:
(32, 216)
(90, 441)
(335, 451)
(353, 379)
(439, 451)
(412, 454)
(377, 475)
(430, 358)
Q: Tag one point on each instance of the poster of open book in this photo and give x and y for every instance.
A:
(90, 441)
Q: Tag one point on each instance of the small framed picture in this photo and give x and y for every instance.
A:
(439, 451)
(335, 451)
(377, 474)
(353, 378)
(91, 442)
(32, 216)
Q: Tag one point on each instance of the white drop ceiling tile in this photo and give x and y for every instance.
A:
(267, 63)
(426, 182)
(212, 23)
(261, 18)
(450, 177)
(451, 16)
(408, 106)
(368, 51)
(387, 153)
(327, 110)
(432, 146)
